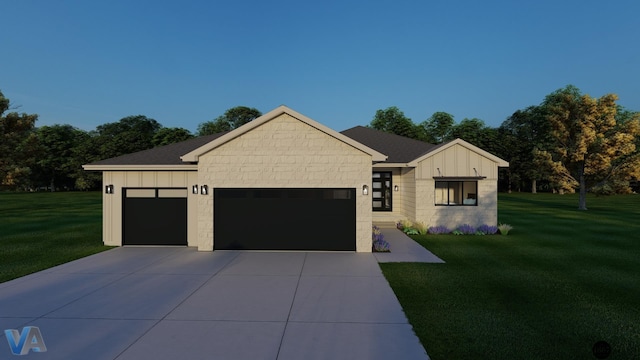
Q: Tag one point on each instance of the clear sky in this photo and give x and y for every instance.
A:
(87, 63)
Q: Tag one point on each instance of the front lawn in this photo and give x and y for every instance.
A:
(41, 230)
(561, 281)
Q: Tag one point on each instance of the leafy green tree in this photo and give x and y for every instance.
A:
(57, 161)
(476, 132)
(589, 146)
(438, 127)
(393, 120)
(17, 146)
(231, 119)
(166, 136)
(526, 131)
(130, 134)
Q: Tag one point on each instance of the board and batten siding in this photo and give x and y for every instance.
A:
(457, 161)
(285, 153)
(112, 204)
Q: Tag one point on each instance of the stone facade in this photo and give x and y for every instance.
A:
(285, 153)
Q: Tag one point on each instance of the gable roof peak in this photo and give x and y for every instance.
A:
(193, 156)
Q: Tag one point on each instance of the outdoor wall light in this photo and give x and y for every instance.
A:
(396, 188)
(108, 189)
(194, 189)
(365, 190)
(204, 190)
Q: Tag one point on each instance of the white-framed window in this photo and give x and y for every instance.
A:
(456, 193)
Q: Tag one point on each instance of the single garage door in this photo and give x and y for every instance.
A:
(154, 217)
(285, 219)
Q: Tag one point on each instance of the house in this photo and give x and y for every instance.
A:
(287, 182)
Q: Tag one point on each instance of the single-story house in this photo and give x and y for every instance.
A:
(286, 182)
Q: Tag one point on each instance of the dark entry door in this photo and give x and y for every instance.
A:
(154, 217)
(285, 219)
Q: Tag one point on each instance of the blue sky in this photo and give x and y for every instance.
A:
(87, 63)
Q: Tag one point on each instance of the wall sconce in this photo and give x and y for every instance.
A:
(365, 190)
(108, 189)
(194, 189)
(395, 188)
(204, 190)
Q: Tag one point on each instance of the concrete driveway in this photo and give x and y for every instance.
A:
(177, 303)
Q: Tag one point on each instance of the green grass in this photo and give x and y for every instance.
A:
(558, 283)
(41, 230)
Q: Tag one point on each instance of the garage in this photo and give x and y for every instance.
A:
(154, 216)
(285, 219)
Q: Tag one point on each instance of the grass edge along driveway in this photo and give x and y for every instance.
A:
(561, 281)
(42, 230)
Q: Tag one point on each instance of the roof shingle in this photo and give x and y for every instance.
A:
(399, 149)
(162, 155)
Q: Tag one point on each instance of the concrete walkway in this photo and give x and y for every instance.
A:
(403, 248)
(177, 303)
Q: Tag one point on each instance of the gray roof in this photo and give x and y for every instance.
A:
(161, 155)
(399, 149)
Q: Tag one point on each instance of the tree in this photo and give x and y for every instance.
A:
(526, 131)
(476, 132)
(393, 120)
(57, 161)
(17, 144)
(438, 127)
(589, 147)
(130, 134)
(231, 119)
(166, 136)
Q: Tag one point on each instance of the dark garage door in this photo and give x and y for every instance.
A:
(154, 217)
(285, 219)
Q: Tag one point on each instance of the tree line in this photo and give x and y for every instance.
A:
(51, 157)
(569, 142)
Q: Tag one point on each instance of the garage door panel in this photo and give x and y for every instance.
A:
(284, 219)
(153, 220)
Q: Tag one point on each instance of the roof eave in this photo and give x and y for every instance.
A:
(186, 167)
(394, 165)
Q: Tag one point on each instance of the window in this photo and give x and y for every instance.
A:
(457, 193)
(381, 193)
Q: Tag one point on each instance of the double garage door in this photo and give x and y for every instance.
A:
(247, 219)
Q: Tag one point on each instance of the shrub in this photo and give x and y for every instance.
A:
(440, 229)
(406, 223)
(420, 227)
(411, 231)
(465, 229)
(505, 228)
(487, 230)
(379, 243)
(381, 246)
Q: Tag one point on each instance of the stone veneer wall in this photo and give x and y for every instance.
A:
(453, 216)
(285, 153)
